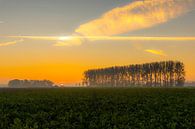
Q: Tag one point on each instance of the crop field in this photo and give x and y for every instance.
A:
(97, 108)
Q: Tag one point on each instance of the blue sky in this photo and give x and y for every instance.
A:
(51, 17)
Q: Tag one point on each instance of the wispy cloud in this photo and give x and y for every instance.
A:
(1, 22)
(134, 16)
(72, 42)
(69, 38)
(78, 40)
(59, 40)
(135, 38)
(47, 38)
(3, 44)
(156, 52)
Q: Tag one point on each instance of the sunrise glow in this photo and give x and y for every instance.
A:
(61, 41)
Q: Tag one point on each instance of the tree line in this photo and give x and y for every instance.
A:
(164, 73)
(30, 83)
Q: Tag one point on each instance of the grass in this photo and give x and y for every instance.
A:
(97, 108)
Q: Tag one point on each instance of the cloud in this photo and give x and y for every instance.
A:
(71, 42)
(60, 40)
(156, 52)
(1, 22)
(128, 38)
(3, 44)
(134, 16)
(78, 40)
(47, 38)
(135, 38)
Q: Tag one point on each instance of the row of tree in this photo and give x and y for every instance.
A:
(165, 73)
(30, 83)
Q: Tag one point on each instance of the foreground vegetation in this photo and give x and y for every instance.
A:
(102, 108)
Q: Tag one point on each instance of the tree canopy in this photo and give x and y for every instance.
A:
(30, 83)
(164, 73)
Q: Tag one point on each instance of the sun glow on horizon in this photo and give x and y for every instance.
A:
(64, 43)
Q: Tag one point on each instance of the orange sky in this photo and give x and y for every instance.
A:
(61, 72)
(59, 41)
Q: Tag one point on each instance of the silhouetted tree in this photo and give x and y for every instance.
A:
(165, 73)
(30, 83)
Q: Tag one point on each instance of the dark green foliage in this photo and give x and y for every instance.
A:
(106, 108)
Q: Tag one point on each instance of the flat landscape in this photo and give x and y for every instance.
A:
(103, 108)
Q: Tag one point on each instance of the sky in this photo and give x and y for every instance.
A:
(60, 39)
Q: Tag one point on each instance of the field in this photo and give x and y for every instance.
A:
(97, 108)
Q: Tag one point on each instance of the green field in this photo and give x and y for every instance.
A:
(97, 108)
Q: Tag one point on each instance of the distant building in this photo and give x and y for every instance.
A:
(30, 83)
